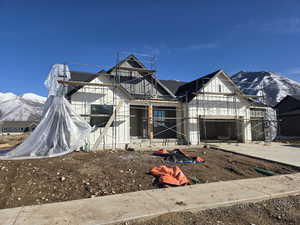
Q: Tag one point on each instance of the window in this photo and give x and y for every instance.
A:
(220, 88)
(159, 118)
(100, 115)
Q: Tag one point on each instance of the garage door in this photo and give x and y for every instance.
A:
(219, 129)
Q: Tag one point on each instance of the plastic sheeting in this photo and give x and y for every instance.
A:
(61, 130)
(271, 124)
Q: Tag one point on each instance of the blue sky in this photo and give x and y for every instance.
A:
(189, 38)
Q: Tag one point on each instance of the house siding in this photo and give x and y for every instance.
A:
(88, 95)
(217, 106)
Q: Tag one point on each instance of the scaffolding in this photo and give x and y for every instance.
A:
(269, 122)
(139, 81)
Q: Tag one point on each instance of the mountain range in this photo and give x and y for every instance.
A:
(274, 87)
(28, 107)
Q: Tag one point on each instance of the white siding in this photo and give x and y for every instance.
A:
(217, 106)
(88, 95)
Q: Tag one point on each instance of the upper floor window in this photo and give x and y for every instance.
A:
(220, 88)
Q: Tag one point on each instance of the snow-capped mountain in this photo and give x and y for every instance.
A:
(272, 86)
(28, 107)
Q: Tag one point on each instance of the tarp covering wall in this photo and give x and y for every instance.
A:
(61, 130)
(271, 124)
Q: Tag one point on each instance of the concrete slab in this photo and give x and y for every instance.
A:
(206, 196)
(102, 210)
(124, 207)
(277, 152)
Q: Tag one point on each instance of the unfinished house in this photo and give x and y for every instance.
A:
(127, 106)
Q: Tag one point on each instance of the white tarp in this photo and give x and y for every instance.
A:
(270, 124)
(61, 130)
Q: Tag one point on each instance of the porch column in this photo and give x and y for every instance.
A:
(150, 121)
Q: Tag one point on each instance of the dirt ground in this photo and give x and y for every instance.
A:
(11, 141)
(282, 211)
(85, 175)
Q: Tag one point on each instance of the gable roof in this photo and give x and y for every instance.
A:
(172, 85)
(136, 63)
(186, 91)
(132, 60)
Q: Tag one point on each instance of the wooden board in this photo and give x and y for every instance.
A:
(136, 69)
(108, 124)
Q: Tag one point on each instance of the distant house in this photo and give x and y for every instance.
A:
(17, 127)
(288, 111)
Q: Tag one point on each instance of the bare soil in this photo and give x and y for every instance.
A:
(281, 211)
(84, 175)
(11, 141)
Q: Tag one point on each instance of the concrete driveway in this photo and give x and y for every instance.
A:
(275, 151)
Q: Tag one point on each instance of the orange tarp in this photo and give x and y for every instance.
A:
(172, 176)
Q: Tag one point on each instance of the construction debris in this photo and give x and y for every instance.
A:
(178, 156)
(170, 176)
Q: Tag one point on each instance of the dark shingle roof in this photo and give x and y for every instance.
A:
(172, 85)
(80, 76)
(186, 91)
(286, 98)
(297, 97)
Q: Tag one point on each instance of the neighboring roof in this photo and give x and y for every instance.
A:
(296, 97)
(172, 85)
(295, 112)
(187, 90)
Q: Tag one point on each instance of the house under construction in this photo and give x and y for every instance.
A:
(127, 106)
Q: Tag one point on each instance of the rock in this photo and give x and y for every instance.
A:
(279, 217)
(62, 179)
(88, 187)
(180, 203)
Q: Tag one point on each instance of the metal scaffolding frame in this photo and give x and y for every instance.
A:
(141, 74)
